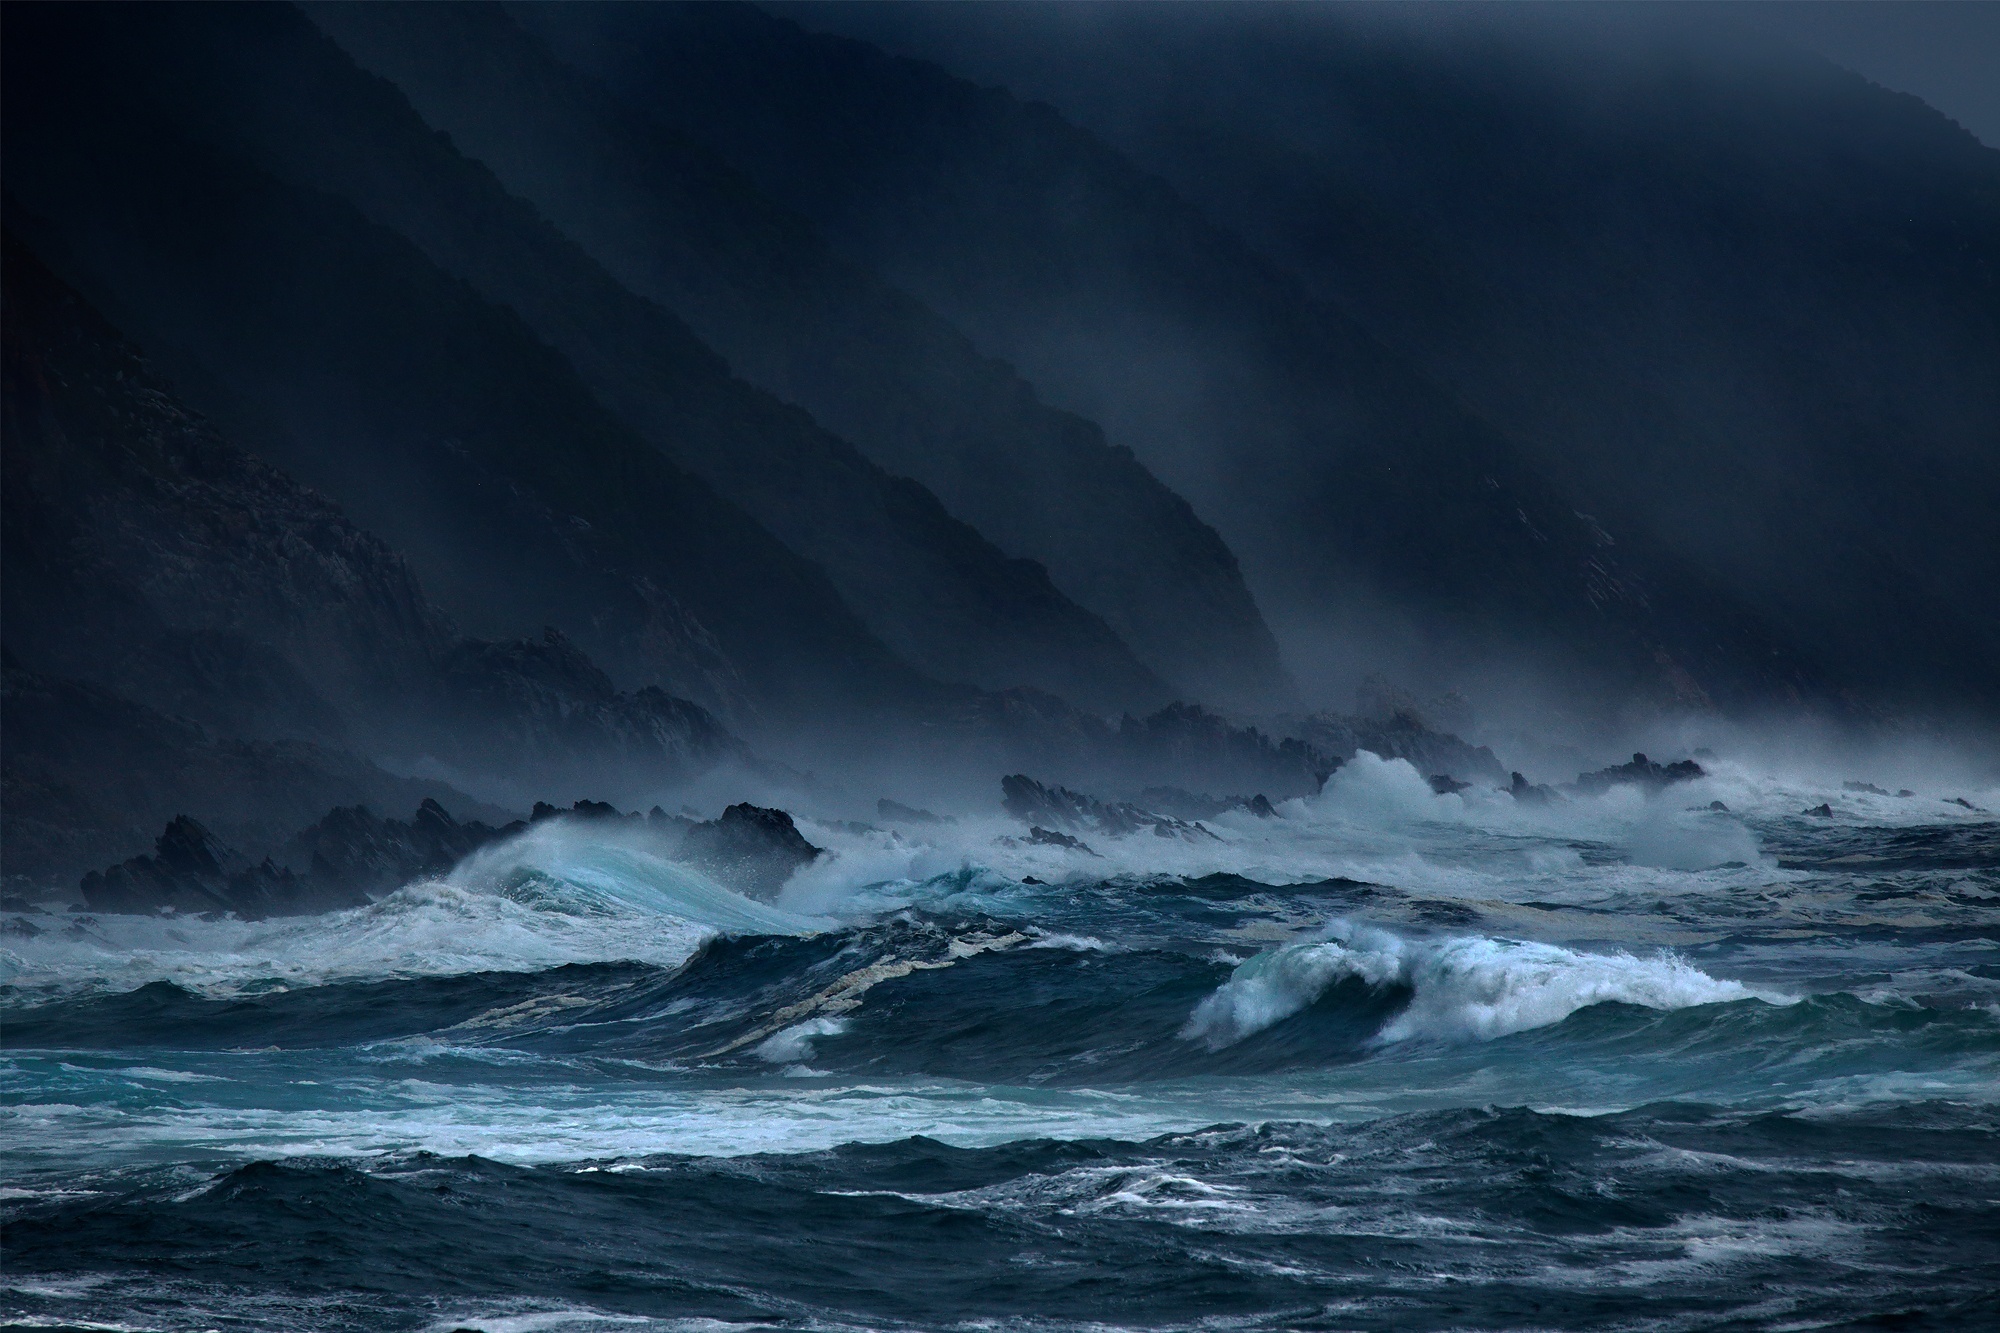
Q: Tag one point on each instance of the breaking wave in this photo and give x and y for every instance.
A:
(1460, 988)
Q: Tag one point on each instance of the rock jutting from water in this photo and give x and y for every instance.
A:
(1038, 805)
(1641, 772)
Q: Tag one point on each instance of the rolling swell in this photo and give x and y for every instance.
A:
(982, 1000)
(1437, 1220)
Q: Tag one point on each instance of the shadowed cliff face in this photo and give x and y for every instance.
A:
(146, 554)
(189, 631)
(1744, 304)
(266, 85)
(676, 224)
(437, 419)
(1376, 517)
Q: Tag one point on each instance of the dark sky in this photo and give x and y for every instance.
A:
(1946, 53)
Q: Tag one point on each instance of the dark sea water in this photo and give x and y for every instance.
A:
(1390, 1061)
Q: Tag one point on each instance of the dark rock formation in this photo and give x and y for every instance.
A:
(1641, 772)
(1444, 784)
(1820, 811)
(1037, 805)
(1184, 745)
(1960, 800)
(354, 853)
(88, 777)
(346, 859)
(1193, 806)
(1529, 793)
(1187, 739)
(1042, 837)
(1400, 735)
(191, 871)
(1867, 787)
(749, 848)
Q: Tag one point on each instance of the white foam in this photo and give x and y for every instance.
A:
(558, 893)
(794, 1044)
(1465, 987)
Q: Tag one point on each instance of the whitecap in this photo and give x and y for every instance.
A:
(1465, 987)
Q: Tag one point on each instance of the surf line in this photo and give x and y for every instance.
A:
(844, 995)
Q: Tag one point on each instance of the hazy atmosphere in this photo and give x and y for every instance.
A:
(1055, 665)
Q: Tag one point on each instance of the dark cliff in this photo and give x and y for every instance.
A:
(674, 223)
(264, 85)
(1381, 522)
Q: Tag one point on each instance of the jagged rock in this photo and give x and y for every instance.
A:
(750, 848)
(895, 812)
(1960, 800)
(1444, 784)
(1528, 793)
(585, 809)
(1867, 787)
(1821, 811)
(1188, 739)
(191, 871)
(1402, 735)
(1187, 805)
(1035, 804)
(1718, 807)
(88, 778)
(1641, 772)
(1042, 837)
(352, 852)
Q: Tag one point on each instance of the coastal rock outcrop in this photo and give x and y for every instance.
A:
(1191, 806)
(1641, 772)
(191, 871)
(346, 859)
(354, 854)
(1042, 807)
(750, 848)
(1402, 734)
(1525, 792)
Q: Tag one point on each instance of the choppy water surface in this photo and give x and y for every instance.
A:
(1392, 1060)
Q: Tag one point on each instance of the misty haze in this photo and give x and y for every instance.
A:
(1035, 666)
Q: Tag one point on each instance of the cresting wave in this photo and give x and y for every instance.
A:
(933, 1054)
(1459, 987)
(557, 894)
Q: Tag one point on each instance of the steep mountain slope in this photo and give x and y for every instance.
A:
(88, 777)
(163, 589)
(437, 419)
(263, 82)
(674, 223)
(1731, 294)
(1382, 525)
(147, 555)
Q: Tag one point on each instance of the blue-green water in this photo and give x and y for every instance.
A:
(1392, 1060)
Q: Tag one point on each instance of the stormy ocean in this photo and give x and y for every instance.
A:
(1387, 1059)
